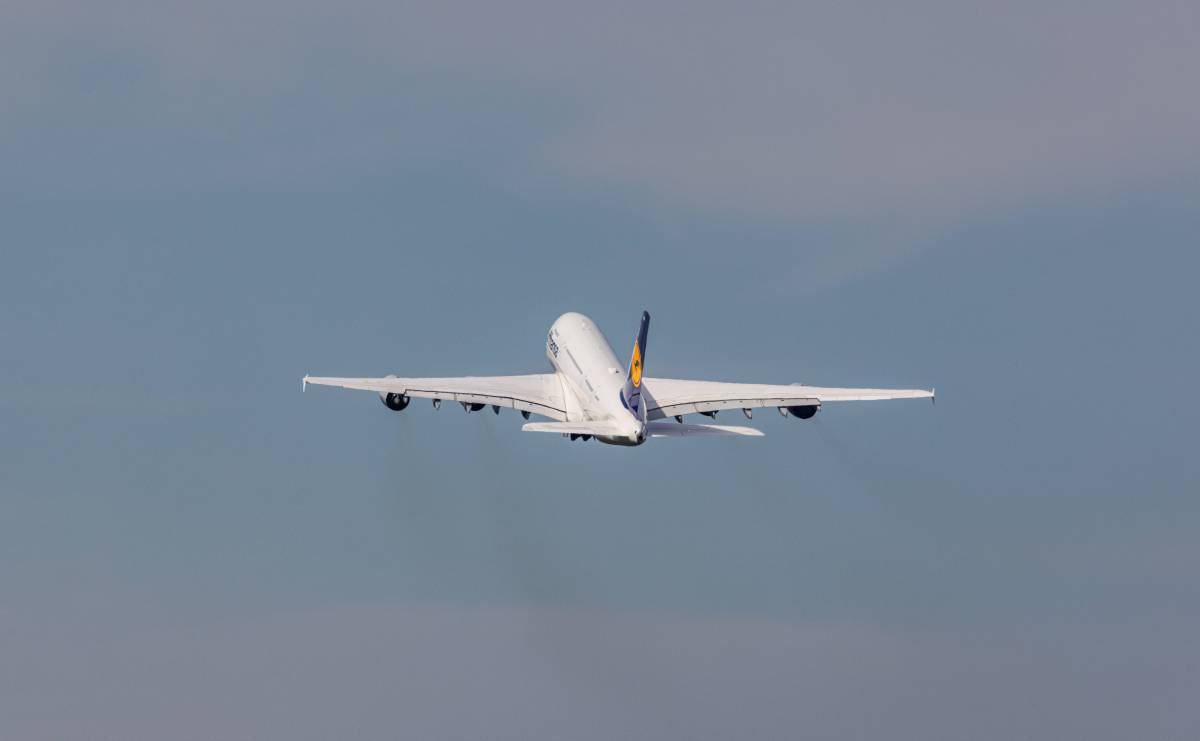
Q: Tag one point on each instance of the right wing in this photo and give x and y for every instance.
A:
(670, 397)
(539, 393)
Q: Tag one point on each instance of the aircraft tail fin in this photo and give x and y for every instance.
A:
(631, 394)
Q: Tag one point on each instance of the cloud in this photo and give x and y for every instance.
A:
(783, 113)
(536, 672)
(932, 110)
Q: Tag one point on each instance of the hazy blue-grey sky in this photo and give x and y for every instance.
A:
(202, 202)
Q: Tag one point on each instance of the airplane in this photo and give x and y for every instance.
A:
(590, 395)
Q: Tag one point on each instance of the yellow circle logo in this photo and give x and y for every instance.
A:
(635, 366)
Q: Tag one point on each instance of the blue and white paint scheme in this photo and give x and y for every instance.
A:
(590, 394)
(631, 392)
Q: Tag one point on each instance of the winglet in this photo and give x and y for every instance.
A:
(933, 395)
(304, 384)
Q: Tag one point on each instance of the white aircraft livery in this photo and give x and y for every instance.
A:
(589, 395)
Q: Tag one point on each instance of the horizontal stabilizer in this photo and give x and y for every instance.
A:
(672, 429)
(574, 428)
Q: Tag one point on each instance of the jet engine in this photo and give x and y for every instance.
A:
(804, 412)
(395, 402)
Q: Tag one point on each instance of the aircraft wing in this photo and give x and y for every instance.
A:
(670, 397)
(538, 393)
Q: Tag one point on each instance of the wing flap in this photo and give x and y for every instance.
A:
(716, 405)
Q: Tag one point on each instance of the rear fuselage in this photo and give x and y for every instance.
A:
(591, 376)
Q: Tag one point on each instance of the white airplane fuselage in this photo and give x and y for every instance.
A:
(592, 377)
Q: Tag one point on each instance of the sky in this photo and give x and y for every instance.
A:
(201, 203)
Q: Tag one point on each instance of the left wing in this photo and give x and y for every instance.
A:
(538, 393)
(669, 397)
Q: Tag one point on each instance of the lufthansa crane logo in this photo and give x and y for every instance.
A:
(635, 366)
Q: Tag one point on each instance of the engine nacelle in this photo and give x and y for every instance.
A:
(804, 412)
(395, 402)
